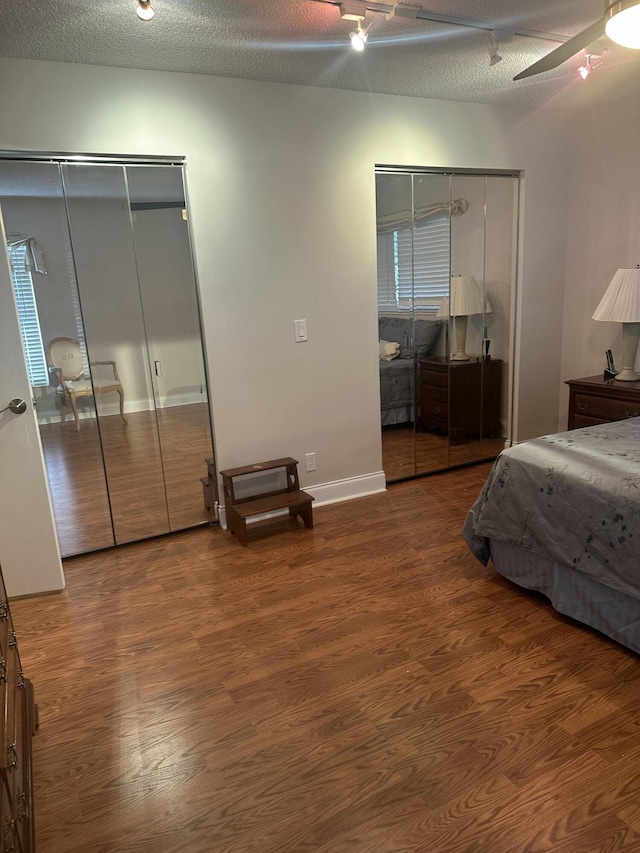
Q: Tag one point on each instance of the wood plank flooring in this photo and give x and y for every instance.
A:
(365, 686)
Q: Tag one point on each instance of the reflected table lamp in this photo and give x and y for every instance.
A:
(621, 304)
(465, 299)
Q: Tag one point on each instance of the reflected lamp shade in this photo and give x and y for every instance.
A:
(465, 299)
(621, 304)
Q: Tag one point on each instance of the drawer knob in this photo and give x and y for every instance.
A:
(437, 409)
(631, 414)
(582, 406)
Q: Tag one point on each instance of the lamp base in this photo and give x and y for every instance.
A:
(460, 325)
(627, 375)
(630, 338)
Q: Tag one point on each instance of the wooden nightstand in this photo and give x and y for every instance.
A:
(459, 397)
(594, 400)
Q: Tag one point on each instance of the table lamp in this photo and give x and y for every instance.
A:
(465, 299)
(621, 304)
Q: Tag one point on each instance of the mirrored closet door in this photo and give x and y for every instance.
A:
(101, 263)
(446, 293)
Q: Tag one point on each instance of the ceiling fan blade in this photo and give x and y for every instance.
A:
(565, 51)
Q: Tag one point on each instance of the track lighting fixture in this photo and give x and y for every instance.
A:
(352, 11)
(589, 64)
(144, 10)
(358, 38)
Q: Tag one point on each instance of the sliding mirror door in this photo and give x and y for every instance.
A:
(446, 279)
(174, 344)
(483, 268)
(43, 273)
(431, 264)
(106, 270)
(122, 400)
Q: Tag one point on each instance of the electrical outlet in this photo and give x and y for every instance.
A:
(310, 462)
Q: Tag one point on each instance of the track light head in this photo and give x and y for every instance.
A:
(144, 10)
(591, 61)
(492, 47)
(358, 38)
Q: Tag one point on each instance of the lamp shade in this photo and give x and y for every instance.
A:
(621, 301)
(466, 297)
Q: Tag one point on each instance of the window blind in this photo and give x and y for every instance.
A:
(28, 317)
(414, 265)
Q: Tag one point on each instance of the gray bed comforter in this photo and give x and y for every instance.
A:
(573, 497)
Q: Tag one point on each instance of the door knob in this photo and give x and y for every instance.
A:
(17, 406)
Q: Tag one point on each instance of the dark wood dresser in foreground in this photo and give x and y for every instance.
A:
(461, 398)
(594, 400)
(18, 723)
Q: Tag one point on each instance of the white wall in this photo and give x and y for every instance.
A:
(602, 236)
(282, 199)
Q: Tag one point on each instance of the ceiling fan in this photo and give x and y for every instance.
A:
(620, 22)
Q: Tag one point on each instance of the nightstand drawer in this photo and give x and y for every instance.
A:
(434, 394)
(605, 409)
(434, 410)
(434, 379)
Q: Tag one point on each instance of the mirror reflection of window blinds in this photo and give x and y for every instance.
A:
(28, 317)
(413, 266)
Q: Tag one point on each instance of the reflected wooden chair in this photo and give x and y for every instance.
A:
(65, 363)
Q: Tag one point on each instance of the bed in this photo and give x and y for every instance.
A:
(396, 363)
(560, 515)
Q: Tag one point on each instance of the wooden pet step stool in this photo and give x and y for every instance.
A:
(290, 497)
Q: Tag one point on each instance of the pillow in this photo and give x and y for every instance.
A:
(400, 329)
(396, 329)
(425, 333)
(389, 350)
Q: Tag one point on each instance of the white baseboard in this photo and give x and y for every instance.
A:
(329, 493)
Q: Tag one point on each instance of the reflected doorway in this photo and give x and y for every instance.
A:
(113, 343)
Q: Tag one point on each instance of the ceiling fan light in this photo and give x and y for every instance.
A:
(623, 23)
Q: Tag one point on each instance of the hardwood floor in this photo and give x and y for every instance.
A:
(363, 686)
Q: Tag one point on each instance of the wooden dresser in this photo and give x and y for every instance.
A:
(459, 397)
(18, 723)
(594, 400)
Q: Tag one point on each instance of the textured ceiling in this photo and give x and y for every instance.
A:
(306, 42)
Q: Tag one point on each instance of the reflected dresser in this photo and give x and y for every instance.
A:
(459, 397)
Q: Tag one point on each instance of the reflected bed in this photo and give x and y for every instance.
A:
(411, 338)
(561, 515)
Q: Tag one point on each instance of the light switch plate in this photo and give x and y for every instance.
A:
(300, 327)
